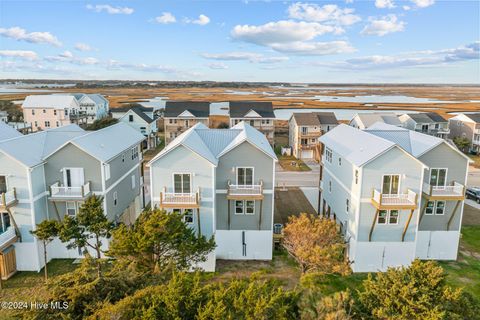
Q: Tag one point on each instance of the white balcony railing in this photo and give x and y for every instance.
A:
(7, 236)
(392, 200)
(172, 198)
(59, 191)
(245, 190)
(7, 198)
(454, 190)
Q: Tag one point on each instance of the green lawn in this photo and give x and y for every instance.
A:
(465, 272)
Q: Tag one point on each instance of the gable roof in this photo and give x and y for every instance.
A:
(239, 109)
(356, 146)
(8, 132)
(52, 101)
(415, 143)
(125, 109)
(199, 109)
(370, 118)
(106, 143)
(315, 118)
(211, 144)
(430, 117)
(141, 114)
(475, 117)
(32, 149)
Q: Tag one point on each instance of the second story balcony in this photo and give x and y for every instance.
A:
(61, 192)
(245, 192)
(8, 237)
(189, 200)
(455, 191)
(398, 201)
(8, 198)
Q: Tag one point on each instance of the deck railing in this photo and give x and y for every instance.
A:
(172, 198)
(401, 199)
(59, 191)
(454, 190)
(7, 198)
(7, 236)
(245, 190)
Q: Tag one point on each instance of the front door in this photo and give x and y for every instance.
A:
(73, 177)
(438, 177)
(391, 184)
(3, 184)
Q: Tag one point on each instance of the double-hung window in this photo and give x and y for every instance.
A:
(328, 154)
(187, 215)
(387, 217)
(438, 177)
(182, 182)
(244, 207)
(435, 207)
(245, 176)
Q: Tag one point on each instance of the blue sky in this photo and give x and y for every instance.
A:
(412, 41)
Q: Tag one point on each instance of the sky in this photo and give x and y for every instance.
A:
(378, 41)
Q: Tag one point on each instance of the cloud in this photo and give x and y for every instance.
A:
(293, 37)
(384, 4)
(68, 57)
(421, 58)
(314, 48)
(217, 66)
(406, 8)
(329, 14)
(384, 25)
(281, 32)
(244, 56)
(166, 18)
(20, 34)
(202, 20)
(22, 54)
(423, 3)
(83, 47)
(110, 9)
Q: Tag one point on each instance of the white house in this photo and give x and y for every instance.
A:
(223, 181)
(365, 120)
(429, 123)
(141, 119)
(95, 106)
(397, 194)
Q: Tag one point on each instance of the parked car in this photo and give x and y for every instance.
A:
(473, 193)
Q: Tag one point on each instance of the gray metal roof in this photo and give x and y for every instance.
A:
(474, 116)
(386, 117)
(430, 117)
(142, 114)
(32, 149)
(199, 109)
(108, 142)
(8, 132)
(51, 101)
(211, 144)
(239, 109)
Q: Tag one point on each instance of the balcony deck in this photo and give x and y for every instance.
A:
(8, 199)
(394, 201)
(456, 191)
(179, 200)
(245, 192)
(7, 238)
(59, 192)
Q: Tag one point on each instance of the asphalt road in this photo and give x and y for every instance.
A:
(298, 178)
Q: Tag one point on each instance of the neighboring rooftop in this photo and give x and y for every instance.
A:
(474, 116)
(52, 101)
(199, 109)
(211, 144)
(97, 98)
(239, 109)
(429, 117)
(8, 132)
(32, 149)
(140, 111)
(138, 107)
(386, 117)
(108, 142)
(314, 118)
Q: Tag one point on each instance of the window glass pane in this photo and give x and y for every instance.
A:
(440, 207)
(433, 177)
(393, 217)
(250, 207)
(241, 176)
(239, 207)
(249, 176)
(442, 177)
(382, 217)
(395, 184)
(429, 208)
(177, 178)
(188, 216)
(386, 184)
(186, 183)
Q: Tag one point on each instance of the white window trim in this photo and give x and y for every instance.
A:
(430, 175)
(191, 181)
(427, 207)
(115, 198)
(75, 208)
(327, 152)
(399, 182)
(387, 218)
(253, 175)
(244, 208)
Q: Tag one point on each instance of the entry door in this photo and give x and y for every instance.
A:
(73, 177)
(3, 184)
(391, 184)
(438, 177)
